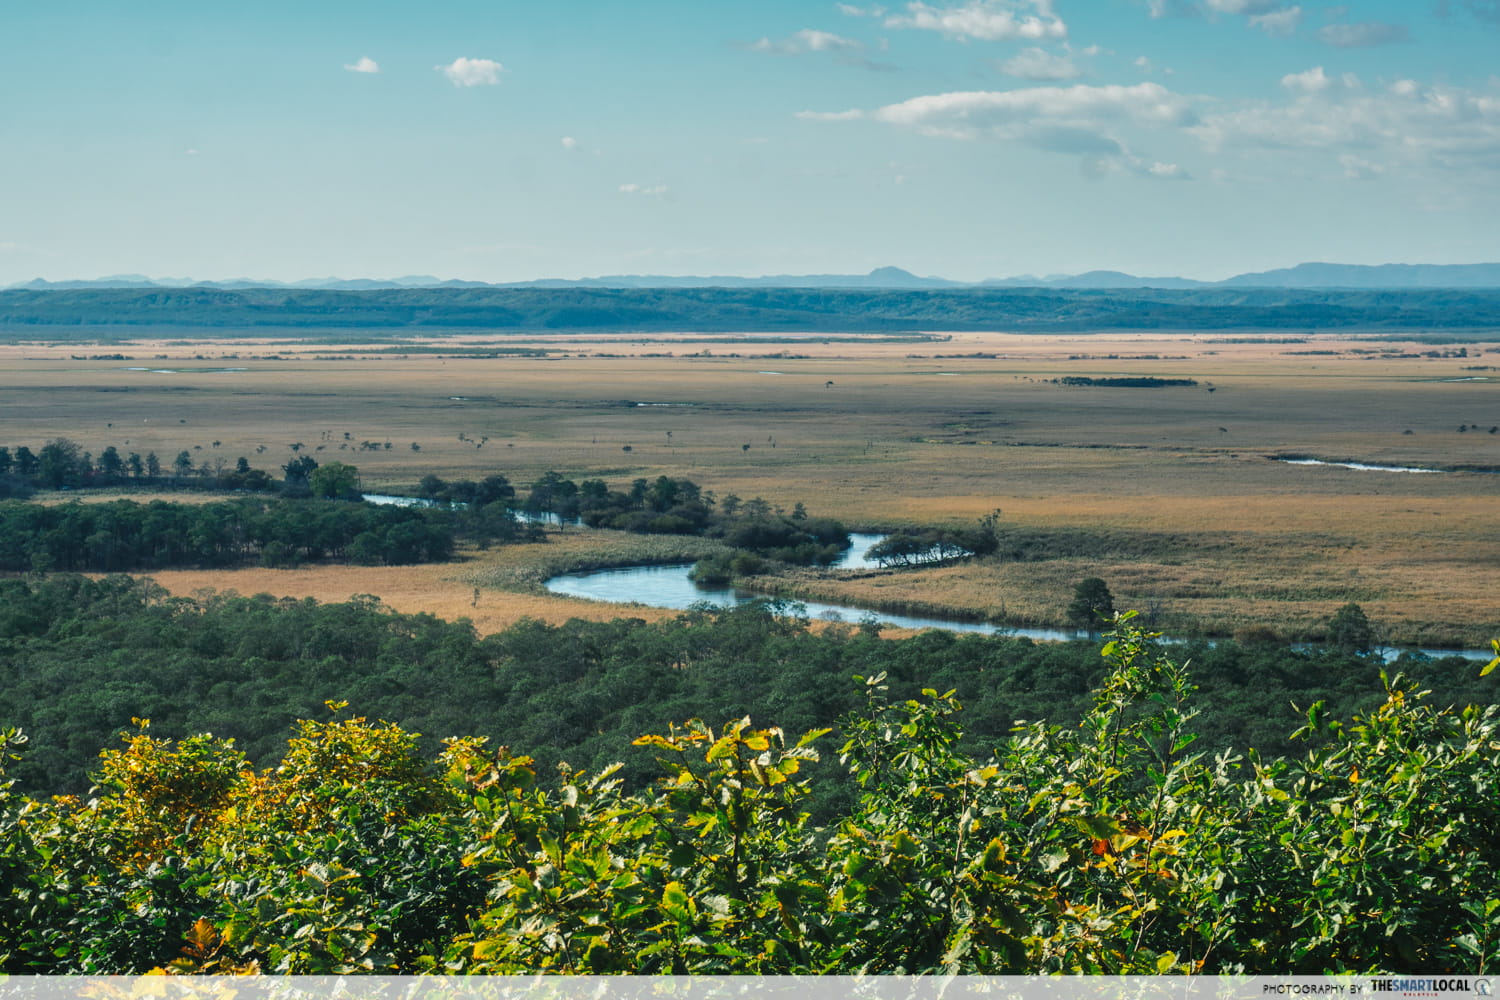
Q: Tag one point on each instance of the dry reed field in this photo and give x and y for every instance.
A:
(1172, 494)
(489, 588)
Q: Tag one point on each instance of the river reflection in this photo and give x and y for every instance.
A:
(669, 587)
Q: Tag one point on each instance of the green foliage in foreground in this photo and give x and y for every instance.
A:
(1108, 847)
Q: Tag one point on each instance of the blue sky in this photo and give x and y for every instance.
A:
(504, 141)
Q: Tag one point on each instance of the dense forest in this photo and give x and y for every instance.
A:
(123, 535)
(79, 658)
(737, 309)
(1109, 839)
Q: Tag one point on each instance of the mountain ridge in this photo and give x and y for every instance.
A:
(1305, 275)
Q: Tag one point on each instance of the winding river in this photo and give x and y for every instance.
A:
(669, 587)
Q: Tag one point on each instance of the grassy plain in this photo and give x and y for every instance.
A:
(1171, 494)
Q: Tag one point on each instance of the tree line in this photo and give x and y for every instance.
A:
(734, 310)
(62, 464)
(123, 535)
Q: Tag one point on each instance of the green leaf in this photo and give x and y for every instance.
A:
(674, 902)
(1098, 827)
(723, 747)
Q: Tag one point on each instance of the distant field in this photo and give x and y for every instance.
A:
(1169, 493)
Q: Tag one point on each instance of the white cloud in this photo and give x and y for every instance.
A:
(1405, 124)
(826, 41)
(985, 20)
(1249, 8)
(809, 41)
(805, 41)
(1037, 64)
(1079, 120)
(852, 114)
(466, 72)
(1363, 34)
(853, 11)
(1358, 130)
(1275, 17)
(569, 143)
(1312, 81)
(644, 190)
(973, 111)
(1279, 23)
(364, 65)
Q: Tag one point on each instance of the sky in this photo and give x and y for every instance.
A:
(504, 141)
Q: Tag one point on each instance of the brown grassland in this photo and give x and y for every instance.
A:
(1169, 494)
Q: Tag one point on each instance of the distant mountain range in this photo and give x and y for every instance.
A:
(1301, 276)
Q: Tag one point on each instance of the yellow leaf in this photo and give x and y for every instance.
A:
(202, 938)
(722, 747)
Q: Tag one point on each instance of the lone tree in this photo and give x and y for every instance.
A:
(1350, 631)
(1092, 602)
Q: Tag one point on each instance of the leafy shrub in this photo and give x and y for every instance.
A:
(1112, 846)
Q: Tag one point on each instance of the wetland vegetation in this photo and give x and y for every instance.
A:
(1006, 495)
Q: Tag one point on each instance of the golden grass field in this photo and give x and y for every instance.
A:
(1194, 518)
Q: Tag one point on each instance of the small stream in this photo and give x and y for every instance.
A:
(1363, 466)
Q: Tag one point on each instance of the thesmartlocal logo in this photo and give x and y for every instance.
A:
(1422, 986)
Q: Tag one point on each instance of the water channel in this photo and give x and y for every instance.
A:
(669, 587)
